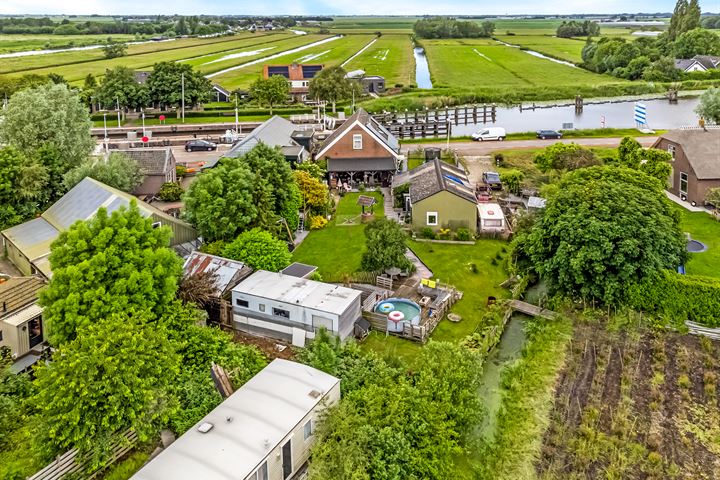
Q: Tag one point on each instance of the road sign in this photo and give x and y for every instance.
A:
(145, 139)
(640, 113)
(161, 117)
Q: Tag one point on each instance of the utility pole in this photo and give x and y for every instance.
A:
(143, 121)
(117, 99)
(237, 123)
(182, 86)
(105, 128)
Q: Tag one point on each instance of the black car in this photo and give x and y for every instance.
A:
(195, 145)
(492, 180)
(543, 134)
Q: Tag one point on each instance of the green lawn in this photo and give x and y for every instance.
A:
(337, 249)
(331, 53)
(705, 228)
(484, 62)
(391, 56)
(569, 49)
(11, 42)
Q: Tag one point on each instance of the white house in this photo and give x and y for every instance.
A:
(491, 217)
(263, 431)
(293, 309)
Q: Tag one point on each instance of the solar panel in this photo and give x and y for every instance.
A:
(309, 71)
(279, 70)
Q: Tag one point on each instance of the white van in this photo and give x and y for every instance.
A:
(492, 133)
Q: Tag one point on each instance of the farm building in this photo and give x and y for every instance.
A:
(21, 325)
(157, 166)
(699, 63)
(220, 94)
(263, 431)
(370, 83)
(27, 245)
(298, 75)
(275, 132)
(293, 309)
(227, 272)
(491, 217)
(361, 150)
(696, 165)
(441, 196)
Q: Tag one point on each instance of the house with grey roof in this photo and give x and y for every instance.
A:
(699, 63)
(27, 245)
(275, 132)
(361, 150)
(21, 325)
(157, 166)
(696, 161)
(441, 196)
(263, 431)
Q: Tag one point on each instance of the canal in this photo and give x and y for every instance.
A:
(422, 71)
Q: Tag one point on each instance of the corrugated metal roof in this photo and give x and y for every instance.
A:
(275, 132)
(24, 315)
(17, 293)
(228, 271)
(32, 238)
(246, 427)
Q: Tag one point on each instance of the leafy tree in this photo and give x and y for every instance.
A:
(677, 20)
(165, 84)
(23, 185)
(270, 91)
(313, 192)
(697, 42)
(709, 106)
(330, 85)
(662, 70)
(269, 164)
(444, 27)
(602, 229)
(712, 196)
(115, 375)
(170, 192)
(118, 171)
(313, 168)
(181, 27)
(260, 250)
(48, 115)
(653, 162)
(565, 156)
(226, 200)
(88, 90)
(513, 180)
(573, 28)
(291, 209)
(119, 86)
(14, 389)
(691, 20)
(115, 263)
(636, 67)
(114, 50)
(385, 246)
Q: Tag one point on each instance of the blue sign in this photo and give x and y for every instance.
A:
(640, 113)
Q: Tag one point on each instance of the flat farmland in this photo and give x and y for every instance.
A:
(331, 53)
(391, 56)
(22, 42)
(569, 49)
(371, 24)
(484, 62)
(75, 73)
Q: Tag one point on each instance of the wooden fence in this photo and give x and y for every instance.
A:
(435, 122)
(697, 329)
(72, 463)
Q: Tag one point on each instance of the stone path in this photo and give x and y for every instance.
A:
(388, 205)
(422, 270)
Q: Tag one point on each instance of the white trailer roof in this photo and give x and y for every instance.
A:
(490, 211)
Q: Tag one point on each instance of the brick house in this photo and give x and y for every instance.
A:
(361, 150)
(696, 162)
(157, 166)
(298, 75)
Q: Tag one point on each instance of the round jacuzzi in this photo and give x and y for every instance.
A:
(696, 246)
(399, 311)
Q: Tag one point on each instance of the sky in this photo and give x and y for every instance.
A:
(339, 7)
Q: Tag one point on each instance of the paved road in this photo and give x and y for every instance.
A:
(484, 148)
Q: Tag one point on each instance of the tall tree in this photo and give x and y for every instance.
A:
(709, 106)
(23, 185)
(165, 84)
(117, 374)
(114, 50)
(270, 91)
(691, 20)
(260, 250)
(384, 246)
(115, 263)
(330, 85)
(677, 20)
(313, 192)
(48, 115)
(119, 86)
(698, 41)
(117, 170)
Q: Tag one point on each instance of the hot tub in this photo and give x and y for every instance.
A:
(409, 309)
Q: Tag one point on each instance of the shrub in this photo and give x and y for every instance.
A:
(499, 159)
(213, 248)
(170, 192)
(317, 222)
(180, 170)
(444, 234)
(463, 234)
(427, 232)
(260, 250)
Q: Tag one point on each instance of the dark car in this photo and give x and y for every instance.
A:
(548, 134)
(492, 180)
(195, 145)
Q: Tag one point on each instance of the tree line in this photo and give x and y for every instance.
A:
(445, 27)
(573, 28)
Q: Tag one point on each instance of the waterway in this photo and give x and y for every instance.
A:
(422, 71)
(539, 55)
(29, 53)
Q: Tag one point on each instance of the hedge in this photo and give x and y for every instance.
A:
(682, 297)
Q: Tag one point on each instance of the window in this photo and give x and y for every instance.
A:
(432, 218)
(242, 303)
(683, 183)
(308, 429)
(1, 337)
(279, 312)
(671, 150)
(156, 225)
(357, 141)
(260, 474)
(493, 223)
(261, 307)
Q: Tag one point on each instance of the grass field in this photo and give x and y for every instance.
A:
(331, 53)
(473, 63)
(569, 49)
(362, 24)
(705, 228)
(391, 56)
(22, 42)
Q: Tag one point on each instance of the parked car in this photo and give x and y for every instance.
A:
(492, 133)
(194, 145)
(543, 134)
(492, 180)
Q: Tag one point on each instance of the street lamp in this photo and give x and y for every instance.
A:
(117, 99)
(105, 128)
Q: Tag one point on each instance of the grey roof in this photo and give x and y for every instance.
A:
(368, 165)
(220, 89)
(364, 118)
(275, 132)
(152, 161)
(246, 427)
(324, 297)
(228, 272)
(437, 176)
(299, 270)
(708, 61)
(19, 292)
(701, 148)
(685, 63)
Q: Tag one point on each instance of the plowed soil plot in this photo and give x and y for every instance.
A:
(634, 405)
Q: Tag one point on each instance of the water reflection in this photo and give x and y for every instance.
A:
(422, 71)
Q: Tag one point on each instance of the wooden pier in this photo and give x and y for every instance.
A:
(435, 122)
(532, 310)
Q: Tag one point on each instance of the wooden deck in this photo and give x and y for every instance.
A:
(532, 310)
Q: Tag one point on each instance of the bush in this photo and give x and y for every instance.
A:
(499, 159)
(317, 222)
(427, 232)
(180, 170)
(444, 234)
(213, 248)
(463, 234)
(170, 192)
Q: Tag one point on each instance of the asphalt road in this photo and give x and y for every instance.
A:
(484, 148)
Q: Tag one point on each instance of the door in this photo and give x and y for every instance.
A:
(287, 459)
(35, 332)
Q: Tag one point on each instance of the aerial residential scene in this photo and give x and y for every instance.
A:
(371, 240)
